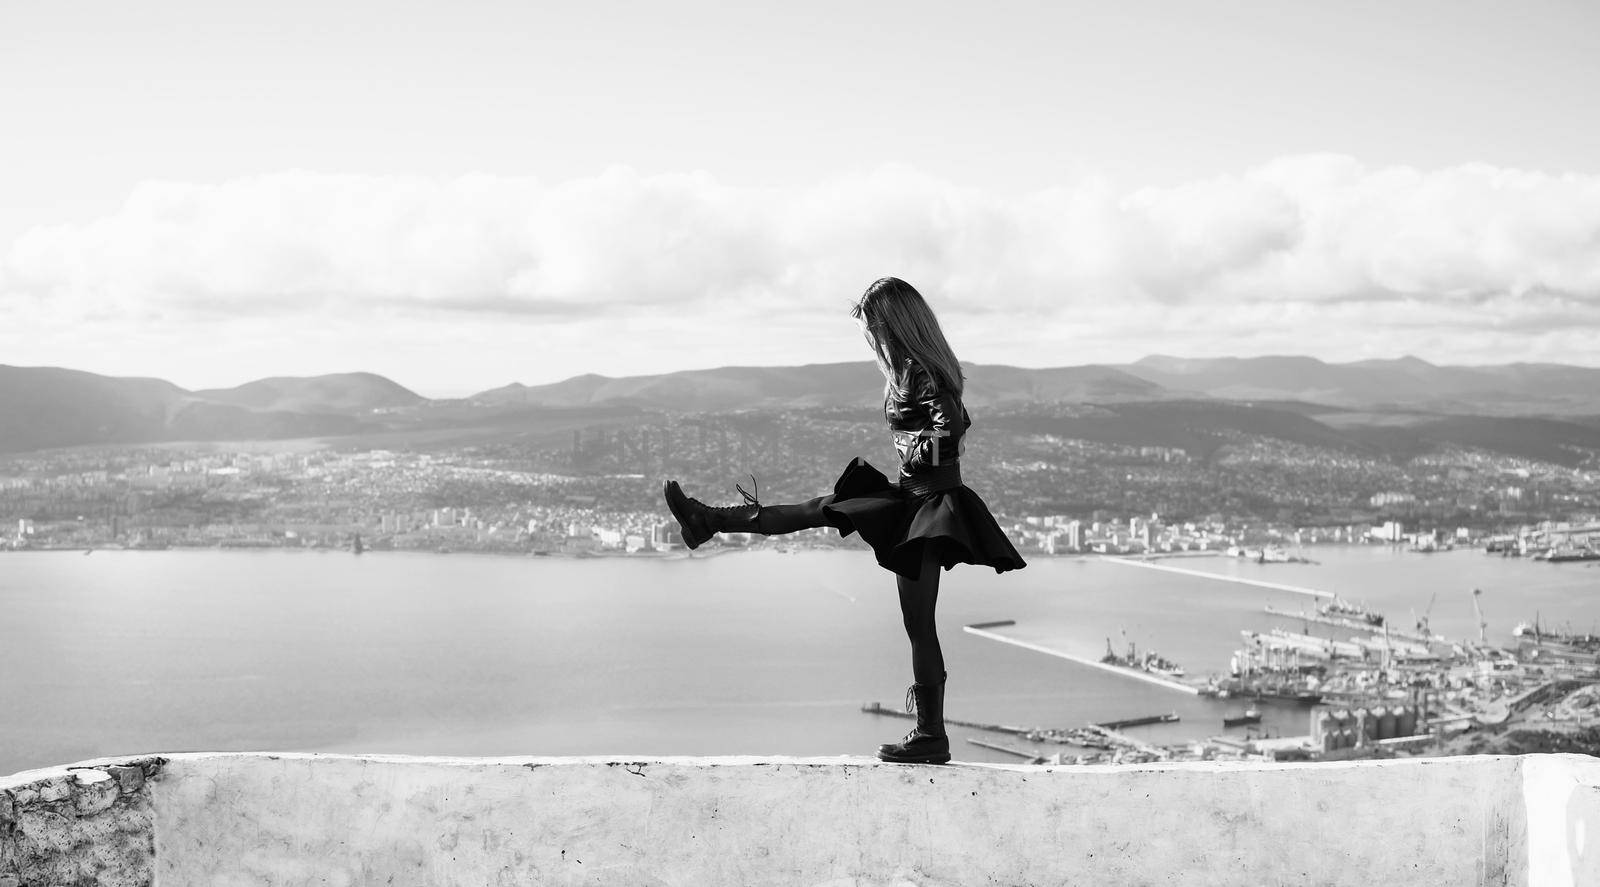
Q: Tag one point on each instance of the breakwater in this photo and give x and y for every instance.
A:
(1238, 580)
(1136, 674)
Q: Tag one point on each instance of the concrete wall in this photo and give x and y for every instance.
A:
(1562, 796)
(239, 819)
(90, 824)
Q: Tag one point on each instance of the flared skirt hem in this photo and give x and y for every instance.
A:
(900, 526)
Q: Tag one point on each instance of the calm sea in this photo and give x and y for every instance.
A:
(745, 653)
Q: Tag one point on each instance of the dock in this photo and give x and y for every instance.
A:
(878, 708)
(1136, 674)
(1169, 718)
(1121, 740)
(1276, 586)
(1093, 736)
(1021, 753)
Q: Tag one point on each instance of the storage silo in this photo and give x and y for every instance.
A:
(1322, 723)
(1386, 722)
(1405, 720)
(1365, 727)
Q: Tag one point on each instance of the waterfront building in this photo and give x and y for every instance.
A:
(1388, 531)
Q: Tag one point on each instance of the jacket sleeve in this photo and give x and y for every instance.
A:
(944, 418)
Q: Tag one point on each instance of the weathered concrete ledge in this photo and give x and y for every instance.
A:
(88, 823)
(242, 819)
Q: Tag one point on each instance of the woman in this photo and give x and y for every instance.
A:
(925, 520)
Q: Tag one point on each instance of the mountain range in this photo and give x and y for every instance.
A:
(1383, 403)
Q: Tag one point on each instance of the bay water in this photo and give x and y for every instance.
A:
(760, 652)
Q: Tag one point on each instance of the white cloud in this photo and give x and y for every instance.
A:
(1462, 247)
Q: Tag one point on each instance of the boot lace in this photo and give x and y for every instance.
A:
(749, 500)
(911, 709)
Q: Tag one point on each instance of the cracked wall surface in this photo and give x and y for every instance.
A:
(702, 822)
(88, 824)
(248, 819)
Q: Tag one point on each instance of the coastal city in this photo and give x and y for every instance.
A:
(599, 492)
(1382, 688)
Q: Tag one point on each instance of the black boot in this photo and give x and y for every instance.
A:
(698, 521)
(927, 744)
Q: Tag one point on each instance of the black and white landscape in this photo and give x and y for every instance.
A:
(1548, 411)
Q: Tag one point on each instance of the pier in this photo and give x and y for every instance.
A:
(1122, 740)
(1277, 586)
(1103, 735)
(1160, 680)
(1028, 756)
(878, 708)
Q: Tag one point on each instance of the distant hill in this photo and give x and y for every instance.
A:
(723, 388)
(45, 407)
(997, 383)
(336, 393)
(1509, 389)
(1547, 440)
(827, 384)
(1390, 407)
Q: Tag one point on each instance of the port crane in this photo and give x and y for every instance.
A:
(1422, 621)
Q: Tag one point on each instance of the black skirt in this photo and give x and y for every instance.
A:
(899, 523)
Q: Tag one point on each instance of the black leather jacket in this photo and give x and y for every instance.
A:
(929, 426)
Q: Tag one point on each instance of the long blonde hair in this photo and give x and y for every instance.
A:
(903, 326)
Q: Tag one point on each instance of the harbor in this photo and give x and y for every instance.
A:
(821, 609)
(1364, 686)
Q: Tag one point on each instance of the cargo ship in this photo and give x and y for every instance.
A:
(1534, 638)
(1341, 607)
(1284, 690)
(1287, 694)
(1251, 715)
(1150, 661)
(1567, 554)
(1265, 555)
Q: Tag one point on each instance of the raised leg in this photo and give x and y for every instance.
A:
(698, 521)
(775, 520)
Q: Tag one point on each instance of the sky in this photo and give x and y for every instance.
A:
(460, 195)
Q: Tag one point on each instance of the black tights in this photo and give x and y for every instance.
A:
(776, 520)
(918, 597)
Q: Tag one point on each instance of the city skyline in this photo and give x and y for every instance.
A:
(460, 198)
